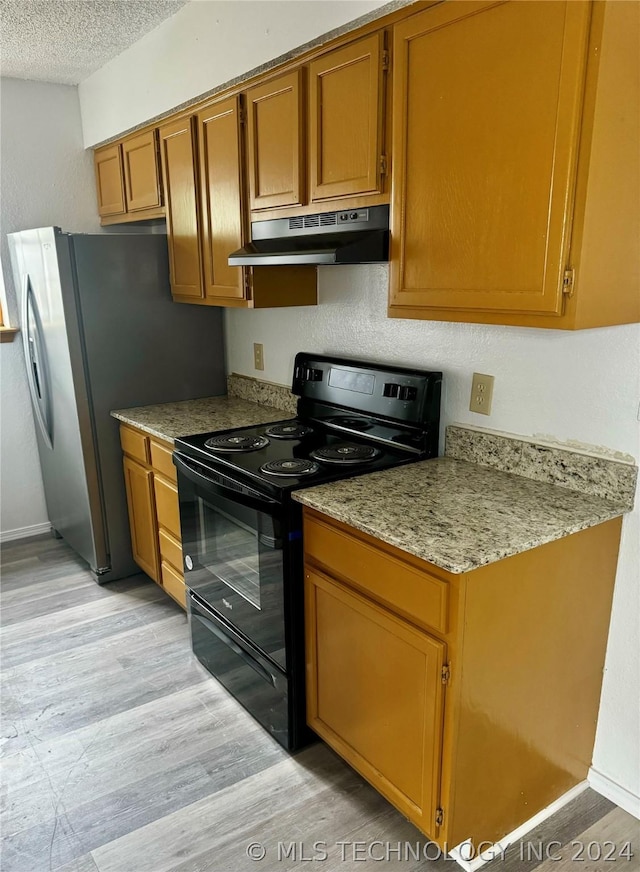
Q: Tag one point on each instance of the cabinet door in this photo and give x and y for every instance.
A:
(223, 220)
(276, 143)
(375, 694)
(179, 174)
(108, 166)
(346, 120)
(142, 517)
(486, 111)
(141, 178)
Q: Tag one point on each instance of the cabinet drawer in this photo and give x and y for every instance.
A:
(135, 444)
(161, 460)
(174, 585)
(170, 550)
(167, 505)
(413, 593)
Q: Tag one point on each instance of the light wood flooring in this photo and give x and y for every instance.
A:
(121, 754)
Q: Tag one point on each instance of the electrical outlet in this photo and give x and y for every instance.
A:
(258, 355)
(481, 393)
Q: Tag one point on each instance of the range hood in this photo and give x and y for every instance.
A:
(349, 236)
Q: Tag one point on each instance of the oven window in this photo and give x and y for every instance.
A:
(241, 548)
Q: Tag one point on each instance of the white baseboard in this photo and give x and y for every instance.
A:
(24, 532)
(462, 852)
(615, 792)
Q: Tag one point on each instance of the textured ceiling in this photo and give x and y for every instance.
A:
(66, 40)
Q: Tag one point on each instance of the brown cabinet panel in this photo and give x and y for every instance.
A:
(161, 460)
(141, 176)
(487, 103)
(174, 585)
(167, 505)
(375, 694)
(108, 167)
(170, 551)
(346, 120)
(415, 594)
(142, 517)
(135, 444)
(276, 142)
(223, 219)
(180, 178)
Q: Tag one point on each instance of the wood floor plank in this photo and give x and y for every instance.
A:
(120, 753)
(588, 849)
(227, 816)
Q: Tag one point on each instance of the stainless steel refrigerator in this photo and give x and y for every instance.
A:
(101, 332)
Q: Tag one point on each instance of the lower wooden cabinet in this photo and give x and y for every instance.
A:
(154, 513)
(375, 694)
(474, 706)
(142, 517)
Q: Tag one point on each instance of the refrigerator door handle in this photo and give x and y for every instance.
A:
(37, 373)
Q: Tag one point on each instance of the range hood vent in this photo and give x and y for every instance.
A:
(349, 236)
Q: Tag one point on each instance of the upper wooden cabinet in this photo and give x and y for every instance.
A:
(180, 178)
(128, 180)
(498, 153)
(141, 172)
(317, 134)
(109, 180)
(346, 102)
(276, 143)
(223, 213)
(204, 182)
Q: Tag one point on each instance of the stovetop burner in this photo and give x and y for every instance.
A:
(233, 443)
(288, 431)
(345, 453)
(296, 467)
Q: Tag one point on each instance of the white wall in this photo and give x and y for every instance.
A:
(581, 386)
(45, 178)
(198, 49)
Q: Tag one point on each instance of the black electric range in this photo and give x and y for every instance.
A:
(241, 530)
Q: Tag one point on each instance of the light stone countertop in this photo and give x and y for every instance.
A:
(168, 421)
(455, 514)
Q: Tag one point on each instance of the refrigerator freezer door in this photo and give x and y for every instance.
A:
(61, 403)
(36, 361)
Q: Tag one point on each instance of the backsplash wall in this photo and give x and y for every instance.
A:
(581, 386)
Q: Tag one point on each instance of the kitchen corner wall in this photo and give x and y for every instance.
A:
(582, 387)
(45, 178)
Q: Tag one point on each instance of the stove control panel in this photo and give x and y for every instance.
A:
(398, 393)
(406, 393)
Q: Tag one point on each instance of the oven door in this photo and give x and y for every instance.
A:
(233, 548)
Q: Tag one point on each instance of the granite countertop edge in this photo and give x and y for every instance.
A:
(199, 416)
(589, 512)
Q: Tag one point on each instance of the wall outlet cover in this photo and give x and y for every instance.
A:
(481, 393)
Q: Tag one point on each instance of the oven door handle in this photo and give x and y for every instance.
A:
(248, 659)
(258, 502)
